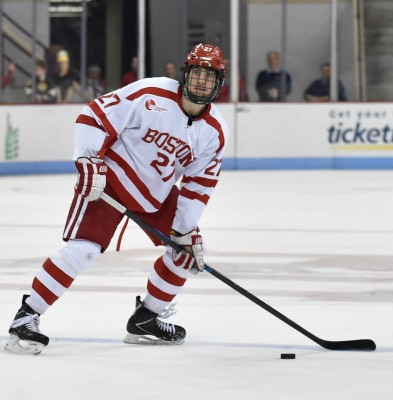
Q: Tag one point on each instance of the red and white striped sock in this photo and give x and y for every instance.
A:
(165, 282)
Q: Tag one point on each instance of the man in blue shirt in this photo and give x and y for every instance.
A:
(319, 90)
(271, 85)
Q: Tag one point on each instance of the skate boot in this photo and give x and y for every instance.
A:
(25, 335)
(144, 327)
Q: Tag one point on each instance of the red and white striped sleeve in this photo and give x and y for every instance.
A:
(200, 178)
(102, 120)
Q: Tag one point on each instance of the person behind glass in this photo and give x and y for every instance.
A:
(45, 91)
(171, 71)
(319, 90)
(132, 75)
(95, 84)
(268, 83)
(225, 93)
(156, 146)
(65, 80)
(7, 78)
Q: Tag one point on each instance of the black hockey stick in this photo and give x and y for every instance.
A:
(359, 344)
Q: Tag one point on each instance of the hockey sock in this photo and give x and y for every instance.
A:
(165, 282)
(57, 273)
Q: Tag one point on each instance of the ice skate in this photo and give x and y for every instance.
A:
(25, 335)
(144, 327)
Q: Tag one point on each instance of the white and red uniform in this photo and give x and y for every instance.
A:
(152, 146)
(148, 142)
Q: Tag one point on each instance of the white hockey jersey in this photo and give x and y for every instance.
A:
(149, 142)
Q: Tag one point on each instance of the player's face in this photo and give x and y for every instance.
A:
(201, 81)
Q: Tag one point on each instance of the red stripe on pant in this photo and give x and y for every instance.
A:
(72, 216)
(159, 294)
(57, 274)
(44, 292)
(166, 274)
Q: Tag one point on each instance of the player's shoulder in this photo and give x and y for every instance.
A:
(163, 81)
(150, 86)
(160, 82)
(216, 120)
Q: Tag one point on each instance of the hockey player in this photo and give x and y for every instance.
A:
(134, 144)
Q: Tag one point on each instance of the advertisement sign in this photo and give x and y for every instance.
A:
(39, 138)
(323, 135)
(37, 133)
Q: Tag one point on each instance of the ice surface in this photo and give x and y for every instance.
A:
(315, 245)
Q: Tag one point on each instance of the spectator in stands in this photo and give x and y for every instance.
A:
(268, 83)
(68, 88)
(225, 93)
(45, 90)
(319, 90)
(132, 74)
(51, 58)
(8, 76)
(171, 71)
(95, 84)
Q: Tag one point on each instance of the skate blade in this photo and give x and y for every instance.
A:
(18, 346)
(150, 340)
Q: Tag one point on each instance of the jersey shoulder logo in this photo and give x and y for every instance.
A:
(151, 105)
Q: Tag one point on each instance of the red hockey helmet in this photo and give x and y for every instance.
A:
(208, 57)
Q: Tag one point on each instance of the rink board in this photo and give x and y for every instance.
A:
(39, 138)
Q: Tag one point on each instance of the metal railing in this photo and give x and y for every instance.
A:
(25, 45)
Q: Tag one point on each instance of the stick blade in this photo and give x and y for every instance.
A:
(355, 345)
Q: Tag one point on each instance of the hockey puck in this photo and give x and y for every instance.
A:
(288, 356)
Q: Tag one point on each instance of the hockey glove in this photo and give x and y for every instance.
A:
(91, 177)
(192, 256)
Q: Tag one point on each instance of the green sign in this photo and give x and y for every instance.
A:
(11, 140)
